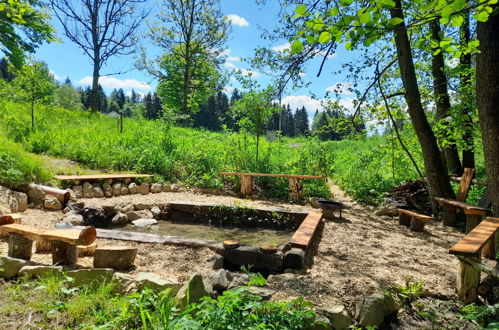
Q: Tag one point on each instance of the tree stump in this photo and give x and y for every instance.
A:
(404, 219)
(246, 185)
(116, 257)
(417, 225)
(295, 188)
(63, 253)
(20, 247)
(472, 221)
(468, 279)
(86, 250)
(43, 245)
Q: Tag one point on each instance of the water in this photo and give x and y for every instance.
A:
(253, 236)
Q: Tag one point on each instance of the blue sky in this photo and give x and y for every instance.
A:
(66, 59)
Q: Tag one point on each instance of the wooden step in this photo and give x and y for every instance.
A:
(472, 244)
(304, 234)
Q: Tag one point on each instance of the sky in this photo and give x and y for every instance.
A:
(65, 59)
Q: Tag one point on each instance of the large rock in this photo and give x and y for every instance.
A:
(155, 283)
(135, 215)
(371, 310)
(119, 219)
(108, 190)
(117, 189)
(73, 218)
(175, 187)
(127, 208)
(338, 316)
(215, 261)
(72, 195)
(98, 193)
(39, 271)
(124, 190)
(88, 190)
(125, 282)
(142, 206)
(22, 201)
(78, 190)
(156, 212)
(132, 188)
(9, 267)
(155, 188)
(36, 196)
(52, 203)
(220, 279)
(143, 189)
(94, 276)
(192, 291)
(166, 188)
(294, 259)
(109, 210)
(264, 293)
(144, 222)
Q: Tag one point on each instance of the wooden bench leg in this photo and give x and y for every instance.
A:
(246, 185)
(472, 220)
(404, 219)
(63, 253)
(489, 250)
(43, 245)
(468, 279)
(449, 215)
(20, 247)
(417, 225)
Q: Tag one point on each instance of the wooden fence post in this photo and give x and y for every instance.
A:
(246, 185)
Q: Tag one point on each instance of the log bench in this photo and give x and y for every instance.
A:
(469, 250)
(415, 221)
(295, 186)
(302, 238)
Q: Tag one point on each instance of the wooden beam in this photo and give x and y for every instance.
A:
(275, 175)
(472, 244)
(101, 176)
(84, 236)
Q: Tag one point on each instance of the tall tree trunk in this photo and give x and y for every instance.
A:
(94, 96)
(487, 94)
(466, 95)
(436, 174)
(443, 103)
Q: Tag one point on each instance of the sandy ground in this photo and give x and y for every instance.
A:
(361, 254)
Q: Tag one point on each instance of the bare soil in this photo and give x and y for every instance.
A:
(358, 255)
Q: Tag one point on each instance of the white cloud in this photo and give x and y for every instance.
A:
(247, 73)
(111, 82)
(230, 65)
(282, 48)
(56, 77)
(237, 20)
(233, 58)
(228, 89)
(452, 63)
(342, 88)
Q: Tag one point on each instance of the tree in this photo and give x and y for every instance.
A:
(102, 29)
(36, 85)
(67, 97)
(6, 72)
(24, 25)
(301, 122)
(192, 34)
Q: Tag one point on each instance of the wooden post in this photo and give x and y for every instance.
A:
(417, 225)
(468, 279)
(117, 257)
(246, 185)
(449, 215)
(43, 245)
(63, 253)
(404, 219)
(489, 250)
(20, 247)
(294, 189)
(472, 220)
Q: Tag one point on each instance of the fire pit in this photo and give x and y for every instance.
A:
(329, 207)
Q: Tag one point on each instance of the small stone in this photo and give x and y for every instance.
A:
(72, 195)
(124, 191)
(220, 279)
(280, 278)
(78, 191)
(155, 283)
(127, 208)
(125, 282)
(216, 261)
(98, 193)
(76, 206)
(192, 291)
(117, 189)
(175, 187)
(155, 188)
(36, 196)
(92, 276)
(165, 188)
(119, 219)
(135, 215)
(22, 201)
(371, 310)
(74, 219)
(143, 189)
(156, 212)
(88, 190)
(238, 279)
(108, 189)
(109, 210)
(39, 271)
(52, 203)
(144, 222)
(9, 267)
(264, 293)
(142, 206)
(66, 210)
(338, 316)
(132, 188)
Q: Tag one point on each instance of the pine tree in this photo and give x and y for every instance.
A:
(134, 97)
(103, 103)
(287, 122)
(5, 73)
(224, 116)
(157, 106)
(148, 107)
(301, 122)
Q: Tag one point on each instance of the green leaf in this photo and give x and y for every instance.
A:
(334, 11)
(324, 37)
(296, 46)
(365, 18)
(444, 20)
(311, 39)
(369, 41)
(395, 21)
(301, 9)
(446, 11)
(387, 4)
(457, 21)
(458, 4)
(348, 46)
(482, 16)
(345, 2)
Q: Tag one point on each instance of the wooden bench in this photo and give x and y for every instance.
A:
(469, 250)
(415, 221)
(302, 238)
(295, 187)
(97, 177)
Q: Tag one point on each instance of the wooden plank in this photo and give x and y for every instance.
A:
(472, 244)
(84, 236)
(25, 230)
(464, 186)
(416, 215)
(304, 234)
(468, 209)
(101, 176)
(275, 175)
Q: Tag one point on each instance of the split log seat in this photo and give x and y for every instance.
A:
(302, 238)
(469, 250)
(415, 221)
(21, 239)
(116, 257)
